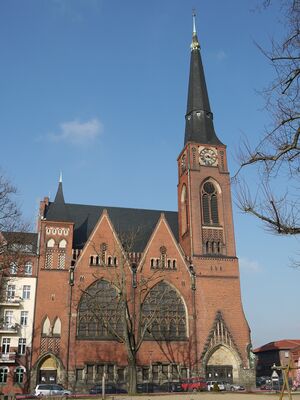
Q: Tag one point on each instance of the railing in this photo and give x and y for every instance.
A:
(7, 357)
(11, 301)
(9, 328)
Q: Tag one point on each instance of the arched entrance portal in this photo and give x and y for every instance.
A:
(222, 365)
(48, 370)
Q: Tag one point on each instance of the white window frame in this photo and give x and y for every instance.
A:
(24, 318)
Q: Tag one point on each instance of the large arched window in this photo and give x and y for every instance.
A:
(163, 314)
(184, 216)
(209, 197)
(100, 312)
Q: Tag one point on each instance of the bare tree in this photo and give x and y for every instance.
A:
(277, 155)
(119, 311)
(13, 239)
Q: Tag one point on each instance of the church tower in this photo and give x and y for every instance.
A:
(206, 235)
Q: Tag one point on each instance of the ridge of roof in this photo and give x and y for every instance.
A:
(278, 345)
(125, 220)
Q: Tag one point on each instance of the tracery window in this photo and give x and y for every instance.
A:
(209, 198)
(100, 312)
(163, 314)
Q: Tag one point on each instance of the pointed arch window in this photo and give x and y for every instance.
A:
(100, 312)
(46, 330)
(57, 327)
(184, 210)
(209, 196)
(163, 314)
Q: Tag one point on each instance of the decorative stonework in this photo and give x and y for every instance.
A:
(53, 230)
(50, 344)
(219, 335)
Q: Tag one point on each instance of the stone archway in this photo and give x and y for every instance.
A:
(222, 365)
(48, 369)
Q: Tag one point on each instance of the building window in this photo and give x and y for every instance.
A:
(51, 243)
(28, 268)
(11, 292)
(79, 374)
(103, 249)
(5, 345)
(121, 374)
(145, 373)
(210, 204)
(19, 375)
(8, 318)
(49, 260)
(164, 314)
(26, 292)
(13, 268)
(163, 257)
(155, 372)
(62, 244)
(22, 346)
(90, 373)
(61, 260)
(100, 312)
(24, 318)
(184, 211)
(3, 374)
(110, 373)
(57, 327)
(46, 327)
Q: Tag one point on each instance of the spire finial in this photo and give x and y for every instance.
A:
(60, 177)
(194, 22)
(195, 42)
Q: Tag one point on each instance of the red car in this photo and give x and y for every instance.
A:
(195, 384)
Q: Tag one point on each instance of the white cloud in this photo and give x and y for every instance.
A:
(78, 133)
(221, 55)
(249, 265)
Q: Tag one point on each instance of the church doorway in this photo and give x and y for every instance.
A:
(222, 365)
(48, 371)
(222, 373)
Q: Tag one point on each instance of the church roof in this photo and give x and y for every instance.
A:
(131, 221)
(199, 127)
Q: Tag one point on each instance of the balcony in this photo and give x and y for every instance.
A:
(8, 357)
(9, 328)
(11, 302)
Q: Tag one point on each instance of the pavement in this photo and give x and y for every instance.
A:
(206, 396)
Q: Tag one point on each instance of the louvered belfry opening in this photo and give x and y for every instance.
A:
(210, 204)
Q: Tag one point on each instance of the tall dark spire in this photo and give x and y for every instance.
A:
(58, 210)
(199, 125)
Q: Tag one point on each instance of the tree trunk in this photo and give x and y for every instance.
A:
(132, 375)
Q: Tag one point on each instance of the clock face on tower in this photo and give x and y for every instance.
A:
(208, 156)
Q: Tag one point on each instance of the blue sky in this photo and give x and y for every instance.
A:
(97, 89)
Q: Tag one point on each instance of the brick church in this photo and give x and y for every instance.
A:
(157, 291)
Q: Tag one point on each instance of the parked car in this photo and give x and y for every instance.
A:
(110, 388)
(266, 386)
(50, 389)
(148, 387)
(211, 384)
(171, 387)
(194, 384)
(234, 387)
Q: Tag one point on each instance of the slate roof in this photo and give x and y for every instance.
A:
(285, 344)
(199, 127)
(126, 221)
(22, 239)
